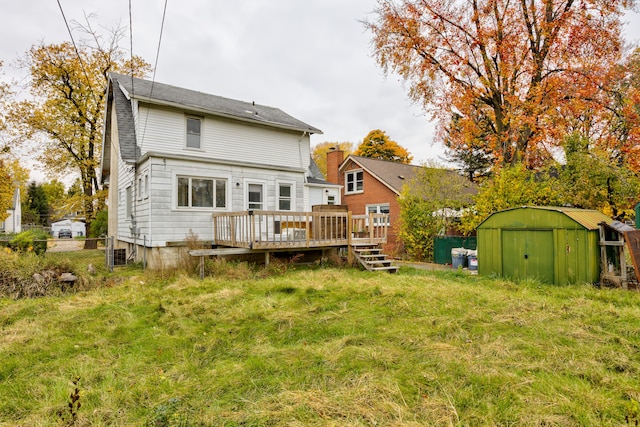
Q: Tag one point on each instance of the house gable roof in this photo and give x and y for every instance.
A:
(164, 94)
(392, 174)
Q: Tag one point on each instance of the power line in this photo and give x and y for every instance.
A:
(84, 70)
(155, 66)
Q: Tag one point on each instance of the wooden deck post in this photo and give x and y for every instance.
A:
(350, 257)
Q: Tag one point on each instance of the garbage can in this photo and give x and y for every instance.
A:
(458, 257)
(472, 260)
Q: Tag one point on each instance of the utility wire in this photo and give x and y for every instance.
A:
(84, 70)
(155, 66)
(131, 47)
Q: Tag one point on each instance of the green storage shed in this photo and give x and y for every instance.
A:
(552, 244)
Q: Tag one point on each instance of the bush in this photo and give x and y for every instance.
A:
(30, 241)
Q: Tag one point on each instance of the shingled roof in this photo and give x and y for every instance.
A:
(159, 93)
(394, 174)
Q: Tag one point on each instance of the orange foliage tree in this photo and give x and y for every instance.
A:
(378, 145)
(320, 151)
(65, 110)
(521, 66)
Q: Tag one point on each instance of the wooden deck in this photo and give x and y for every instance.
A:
(280, 230)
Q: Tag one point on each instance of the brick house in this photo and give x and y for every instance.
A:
(373, 185)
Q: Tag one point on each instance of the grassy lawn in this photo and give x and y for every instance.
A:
(324, 347)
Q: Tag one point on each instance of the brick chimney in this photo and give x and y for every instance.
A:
(335, 156)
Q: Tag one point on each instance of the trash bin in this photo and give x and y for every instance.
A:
(472, 259)
(458, 257)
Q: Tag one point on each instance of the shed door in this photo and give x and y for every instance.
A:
(528, 253)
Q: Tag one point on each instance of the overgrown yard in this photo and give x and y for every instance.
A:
(322, 346)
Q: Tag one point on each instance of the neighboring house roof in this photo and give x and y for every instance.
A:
(315, 176)
(159, 93)
(394, 174)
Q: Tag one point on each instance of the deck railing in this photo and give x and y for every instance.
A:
(280, 229)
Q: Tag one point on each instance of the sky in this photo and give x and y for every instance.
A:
(312, 58)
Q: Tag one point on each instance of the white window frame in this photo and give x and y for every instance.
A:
(292, 196)
(146, 185)
(186, 132)
(377, 210)
(353, 173)
(263, 185)
(128, 207)
(140, 188)
(189, 206)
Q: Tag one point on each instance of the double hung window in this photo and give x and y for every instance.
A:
(194, 125)
(285, 197)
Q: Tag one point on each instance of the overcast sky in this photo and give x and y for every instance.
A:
(310, 58)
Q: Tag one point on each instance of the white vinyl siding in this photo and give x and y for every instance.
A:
(162, 130)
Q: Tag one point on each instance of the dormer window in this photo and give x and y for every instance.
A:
(193, 132)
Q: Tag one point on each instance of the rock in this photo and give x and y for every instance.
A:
(38, 278)
(67, 277)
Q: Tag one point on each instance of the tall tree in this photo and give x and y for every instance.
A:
(320, 151)
(378, 145)
(520, 65)
(36, 208)
(67, 84)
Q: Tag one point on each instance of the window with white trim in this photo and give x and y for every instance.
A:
(285, 197)
(146, 185)
(194, 125)
(195, 192)
(354, 181)
(140, 188)
(379, 209)
(128, 201)
(255, 196)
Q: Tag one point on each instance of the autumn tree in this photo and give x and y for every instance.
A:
(520, 65)
(378, 145)
(65, 112)
(320, 151)
(6, 182)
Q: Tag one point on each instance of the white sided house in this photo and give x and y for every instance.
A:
(13, 221)
(173, 157)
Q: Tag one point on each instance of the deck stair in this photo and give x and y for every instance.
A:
(372, 258)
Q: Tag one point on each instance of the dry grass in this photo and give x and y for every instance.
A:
(325, 347)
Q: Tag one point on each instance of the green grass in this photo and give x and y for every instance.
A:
(323, 347)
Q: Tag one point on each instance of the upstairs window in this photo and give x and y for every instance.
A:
(193, 132)
(354, 181)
